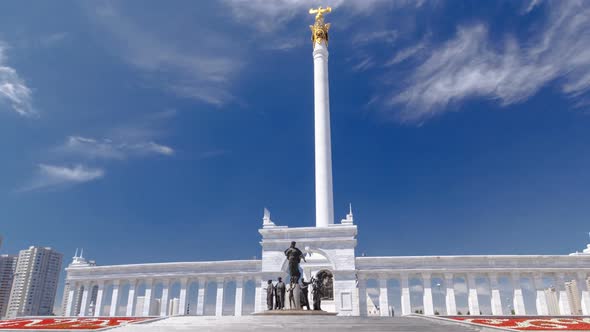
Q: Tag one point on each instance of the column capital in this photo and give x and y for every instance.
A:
(560, 276)
(220, 279)
(448, 276)
(116, 282)
(582, 275)
(515, 275)
(426, 275)
(493, 275)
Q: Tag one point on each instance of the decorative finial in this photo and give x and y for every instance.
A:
(266, 222)
(82, 253)
(349, 220)
(319, 30)
(76, 254)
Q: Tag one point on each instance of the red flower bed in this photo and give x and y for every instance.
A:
(67, 323)
(530, 323)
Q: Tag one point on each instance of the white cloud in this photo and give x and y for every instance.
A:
(13, 90)
(406, 54)
(202, 69)
(471, 65)
(108, 149)
(49, 176)
(387, 36)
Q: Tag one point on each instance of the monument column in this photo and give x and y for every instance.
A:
(219, 298)
(541, 300)
(131, 298)
(114, 299)
(201, 296)
(147, 299)
(450, 295)
(564, 304)
(473, 301)
(427, 296)
(406, 304)
(518, 299)
(495, 297)
(324, 204)
(85, 299)
(383, 300)
(164, 298)
(71, 292)
(362, 296)
(583, 285)
(183, 296)
(239, 292)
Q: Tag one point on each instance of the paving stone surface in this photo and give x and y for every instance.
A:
(297, 323)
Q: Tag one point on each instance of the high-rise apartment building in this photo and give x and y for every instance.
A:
(35, 282)
(7, 269)
(552, 302)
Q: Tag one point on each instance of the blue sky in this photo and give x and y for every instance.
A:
(146, 132)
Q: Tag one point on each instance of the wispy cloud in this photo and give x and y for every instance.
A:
(51, 176)
(384, 36)
(108, 149)
(406, 53)
(204, 73)
(13, 90)
(471, 65)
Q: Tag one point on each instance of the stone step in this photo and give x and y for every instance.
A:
(296, 323)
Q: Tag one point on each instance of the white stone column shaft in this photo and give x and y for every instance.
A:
(541, 300)
(147, 299)
(427, 295)
(219, 297)
(131, 299)
(564, 304)
(202, 292)
(406, 304)
(383, 300)
(472, 300)
(70, 295)
(114, 299)
(85, 299)
(362, 290)
(239, 293)
(323, 146)
(164, 298)
(496, 300)
(585, 293)
(99, 299)
(183, 296)
(450, 301)
(518, 298)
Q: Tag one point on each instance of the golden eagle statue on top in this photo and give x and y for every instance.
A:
(319, 30)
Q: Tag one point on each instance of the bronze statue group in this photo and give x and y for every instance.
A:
(275, 294)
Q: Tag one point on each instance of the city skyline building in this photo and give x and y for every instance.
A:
(7, 270)
(35, 282)
(552, 302)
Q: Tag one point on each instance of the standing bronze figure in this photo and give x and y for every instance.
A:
(280, 289)
(294, 256)
(270, 290)
(304, 293)
(318, 292)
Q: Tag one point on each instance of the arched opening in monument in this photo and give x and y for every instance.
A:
(327, 280)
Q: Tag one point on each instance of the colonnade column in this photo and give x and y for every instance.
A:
(99, 298)
(239, 301)
(182, 302)
(472, 299)
(114, 299)
(495, 295)
(362, 288)
(427, 296)
(147, 299)
(518, 299)
(164, 299)
(131, 298)
(71, 293)
(219, 297)
(85, 299)
(564, 304)
(450, 295)
(585, 292)
(383, 300)
(406, 304)
(259, 302)
(541, 300)
(201, 297)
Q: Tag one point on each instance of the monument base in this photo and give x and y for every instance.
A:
(295, 313)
